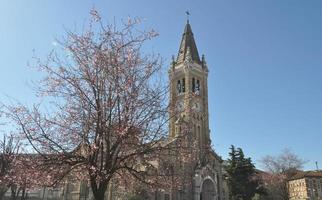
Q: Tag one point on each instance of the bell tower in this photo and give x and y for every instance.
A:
(189, 92)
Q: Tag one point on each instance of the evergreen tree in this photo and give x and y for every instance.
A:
(242, 180)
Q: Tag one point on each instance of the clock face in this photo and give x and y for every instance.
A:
(179, 106)
(196, 106)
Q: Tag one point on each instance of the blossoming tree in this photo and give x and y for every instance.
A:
(106, 109)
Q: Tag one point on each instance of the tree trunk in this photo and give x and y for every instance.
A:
(2, 195)
(23, 194)
(14, 192)
(99, 194)
(3, 190)
(43, 194)
(99, 189)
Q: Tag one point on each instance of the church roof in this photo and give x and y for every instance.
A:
(188, 46)
(307, 174)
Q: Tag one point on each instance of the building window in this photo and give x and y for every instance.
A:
(179, 87)
(83, 191)
(198, 87)
(199, 132)
(193, 85)
(183, 85)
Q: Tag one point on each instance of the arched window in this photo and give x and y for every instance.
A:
(199, 131)
(193, 84)
(198, 87)
(183, 85)
(179, 87)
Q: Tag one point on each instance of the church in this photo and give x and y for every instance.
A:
(188, 76)
(198, 178)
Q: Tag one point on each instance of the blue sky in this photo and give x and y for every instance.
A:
(265, 61)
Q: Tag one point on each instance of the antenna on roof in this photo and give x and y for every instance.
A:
(316, 164)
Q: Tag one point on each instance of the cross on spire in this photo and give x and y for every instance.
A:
(188, 14)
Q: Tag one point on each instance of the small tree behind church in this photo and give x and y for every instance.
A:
(106, 113)
(242, 180)
(279, 169)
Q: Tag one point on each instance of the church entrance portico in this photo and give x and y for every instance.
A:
(207, 190)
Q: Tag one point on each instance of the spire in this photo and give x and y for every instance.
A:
(188, 42)
(188, 56)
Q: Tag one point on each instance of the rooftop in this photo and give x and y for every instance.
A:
(307, 174)
(188, 46)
